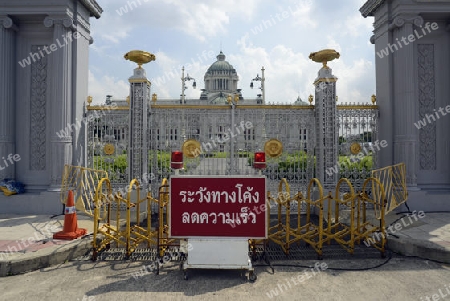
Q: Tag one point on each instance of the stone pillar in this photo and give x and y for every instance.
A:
(405, 133)
(326, 129)
(7, 95)
(138, 146)
(60, 96)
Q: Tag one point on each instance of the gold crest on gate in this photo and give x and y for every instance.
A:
(355, 148)
(191, 148)
(273, 148)
(108, 149)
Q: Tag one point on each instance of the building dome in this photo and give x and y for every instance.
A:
(221, 80)
(220, 64)
(300, 102)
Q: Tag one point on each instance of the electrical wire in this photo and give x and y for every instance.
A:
(389, 257)
(403, 212)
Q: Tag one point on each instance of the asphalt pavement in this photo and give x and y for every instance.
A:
(26, 242)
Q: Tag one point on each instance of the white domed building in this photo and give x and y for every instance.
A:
(221, 80)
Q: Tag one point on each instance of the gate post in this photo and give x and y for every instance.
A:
(327, 155)
(137, 156)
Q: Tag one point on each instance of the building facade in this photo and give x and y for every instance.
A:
(412, 42)
(44, 50)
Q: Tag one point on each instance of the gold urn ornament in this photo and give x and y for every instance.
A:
(139, 57)
(324, 56)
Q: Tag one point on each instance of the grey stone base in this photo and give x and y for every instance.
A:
(427, 200)
(44, 203)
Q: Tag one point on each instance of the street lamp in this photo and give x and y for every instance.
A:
(108, 99)
(183, 85)
(260, 79)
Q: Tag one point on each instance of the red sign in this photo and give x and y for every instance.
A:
(218, 206)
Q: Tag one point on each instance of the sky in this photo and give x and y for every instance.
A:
(278, 36)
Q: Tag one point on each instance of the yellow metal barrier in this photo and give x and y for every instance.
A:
(103, 198)
(346, 220)
(283, 233)
(117, 226)
(279, 233)
(372, 230)
(83, 182)
(393, 179)
(163, 228)
(311, 233)
(342, 218)
(341, 226)
(143, 234)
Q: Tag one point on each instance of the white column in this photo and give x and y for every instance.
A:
(405, 133)
(139, 106)
(326, 129)
(7, 74)
(60, 96)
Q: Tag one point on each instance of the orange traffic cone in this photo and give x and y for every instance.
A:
(70, 230)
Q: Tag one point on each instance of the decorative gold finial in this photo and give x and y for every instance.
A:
(324, 56)
(139, 57)
(236, 98)
(229, 99)
(89, 100)
(310, 99)
(154, 97)
(128, 99)
(374, 99)
(337, 98)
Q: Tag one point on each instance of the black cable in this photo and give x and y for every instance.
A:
(403, 212)
(63, 212)
(406, 204)
(394, 222)
(389, 257)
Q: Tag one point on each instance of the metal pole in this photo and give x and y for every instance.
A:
(264, 136)
(232, 139)
(183, 101)
(182, 86)
(262, 87)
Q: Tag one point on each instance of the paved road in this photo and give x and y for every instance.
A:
(399, 279)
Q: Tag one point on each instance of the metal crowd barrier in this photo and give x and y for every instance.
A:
(341, 218)
(83, 182)
(112, 225)
(393, 179)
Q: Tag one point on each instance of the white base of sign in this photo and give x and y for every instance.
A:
(215, 253)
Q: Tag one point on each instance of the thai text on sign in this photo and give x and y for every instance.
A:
(217, 207)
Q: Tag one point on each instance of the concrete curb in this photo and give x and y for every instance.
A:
(422, 249)
(45, 257)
